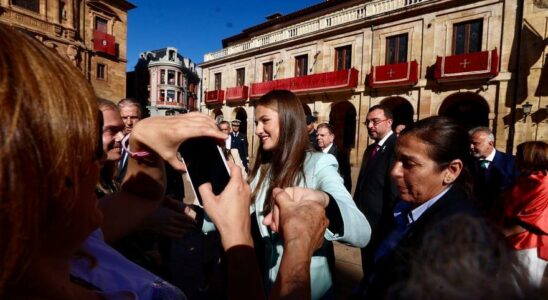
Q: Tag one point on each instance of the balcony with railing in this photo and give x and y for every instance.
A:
(477, 65)
(310, 84)
(214, 97)
(170, 104)
(103, 42)
(401, 74)
(237, 94)
(333, 20)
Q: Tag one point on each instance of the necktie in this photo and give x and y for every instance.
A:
(401, 211)
(484, 164)
(374, 151)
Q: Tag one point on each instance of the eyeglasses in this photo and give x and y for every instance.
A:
(375, 122)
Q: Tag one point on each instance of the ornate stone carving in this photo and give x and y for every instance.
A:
(541, 3)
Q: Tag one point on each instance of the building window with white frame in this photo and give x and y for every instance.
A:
(343, 58)
(101, 24)
(101, 73)
(32, 5)
(301, 65)
(171, 77)
(170, 96)
(396, 49)
(218, 81)
(162, 95)
(240, 77)
(467, 37)
(268, 71)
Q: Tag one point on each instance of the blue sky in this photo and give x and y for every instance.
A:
(196, 27)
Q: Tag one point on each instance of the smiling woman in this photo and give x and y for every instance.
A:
(285, 160)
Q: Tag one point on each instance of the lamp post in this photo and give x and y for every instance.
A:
(527, 107)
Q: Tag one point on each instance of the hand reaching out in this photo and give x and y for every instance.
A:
(164, 135)
(230, 210)
(296, 194)
(302, 222)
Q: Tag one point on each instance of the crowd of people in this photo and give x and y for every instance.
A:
(91, 203)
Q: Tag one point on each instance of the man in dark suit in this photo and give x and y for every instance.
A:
(239, 141)
(326, 136)
(131, 112)
(375, 191)
(312, 132)
(493, 170)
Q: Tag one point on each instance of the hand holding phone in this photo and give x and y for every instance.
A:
(205, 162)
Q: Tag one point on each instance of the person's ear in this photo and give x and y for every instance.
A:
(452, 171)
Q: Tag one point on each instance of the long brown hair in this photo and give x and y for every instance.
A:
(532, 157)
(48, 143)
(286, 161)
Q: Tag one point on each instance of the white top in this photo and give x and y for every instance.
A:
(490, 157)
(416, 213)
(326, 149)
(383, 140)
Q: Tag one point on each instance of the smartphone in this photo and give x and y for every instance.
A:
(205, 162)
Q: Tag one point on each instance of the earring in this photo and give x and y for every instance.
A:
(448, 179)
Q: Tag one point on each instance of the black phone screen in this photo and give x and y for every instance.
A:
(205, 162)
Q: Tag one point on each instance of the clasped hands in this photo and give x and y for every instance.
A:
(298, 214)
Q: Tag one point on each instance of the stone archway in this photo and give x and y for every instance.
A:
(240, 114)
(306, 109)
(343, 119)
(402, 110)
(470, 109)
(217, 114)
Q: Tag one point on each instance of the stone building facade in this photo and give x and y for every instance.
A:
(90, 33)
(165, 82)
(479, 61)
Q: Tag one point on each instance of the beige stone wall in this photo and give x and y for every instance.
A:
(74, 41)
(430, 35)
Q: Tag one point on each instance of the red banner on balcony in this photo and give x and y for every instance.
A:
(103, 42)
(214, 97)
(401, 74)
(238, 93)
(322, 82)
(477, 65)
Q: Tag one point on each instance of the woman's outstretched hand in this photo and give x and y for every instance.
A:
(229, 210)
(164, 135)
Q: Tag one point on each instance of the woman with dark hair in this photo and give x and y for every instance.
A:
(524, 220)
(433, 185)
(285, 160)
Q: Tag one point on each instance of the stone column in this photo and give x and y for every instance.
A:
(69, 8)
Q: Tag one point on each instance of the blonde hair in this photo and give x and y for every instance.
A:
(48, 143)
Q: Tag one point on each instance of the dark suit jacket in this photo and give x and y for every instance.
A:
(344, 165)
(375, 191)
(395, 266)
(239, 141)
(488, 184)
(122, 166)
